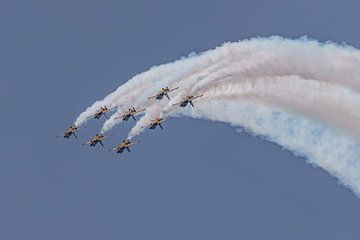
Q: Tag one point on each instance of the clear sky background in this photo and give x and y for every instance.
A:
(193, 180)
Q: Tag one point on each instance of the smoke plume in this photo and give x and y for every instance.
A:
(300, 94)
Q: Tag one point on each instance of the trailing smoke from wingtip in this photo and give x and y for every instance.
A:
(300, 94)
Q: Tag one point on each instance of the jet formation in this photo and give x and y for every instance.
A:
(131, 113)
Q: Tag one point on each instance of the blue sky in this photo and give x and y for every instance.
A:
(194, 180)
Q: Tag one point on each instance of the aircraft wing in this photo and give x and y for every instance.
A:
(92, 116)
(95, 115)
(173, 89)
(133, 143)
(89, 142)
(153, 96)
(165, 119)
(117, 148)
(80, 128)
(177, 103)
(112, 108)
(198, 96)
(121, 116)
(60, 135)
(107, 136)
(140, 111)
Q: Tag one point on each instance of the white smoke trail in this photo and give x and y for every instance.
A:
(301, 94)
(323, 146)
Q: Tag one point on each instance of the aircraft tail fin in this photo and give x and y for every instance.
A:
(75, 136)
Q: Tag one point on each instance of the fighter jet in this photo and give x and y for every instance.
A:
(157, 122)
(70, 131)
(130, 113)
(187, 99)
(122, 146)
(97, 139)
(102, 111)
(163, 92)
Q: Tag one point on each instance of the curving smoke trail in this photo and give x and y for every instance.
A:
(300, 94)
